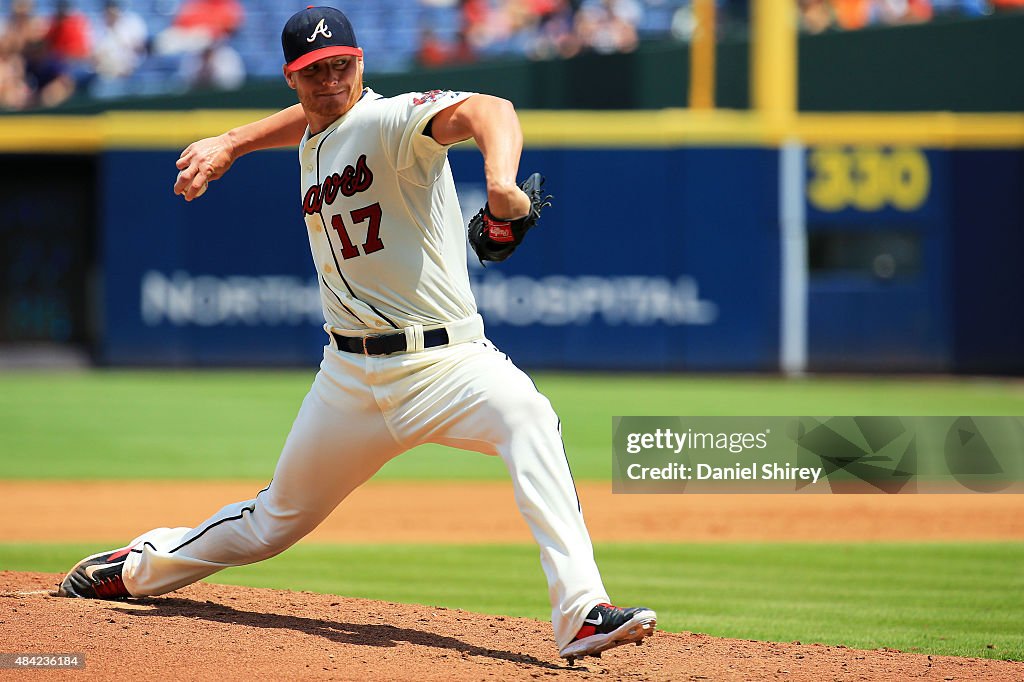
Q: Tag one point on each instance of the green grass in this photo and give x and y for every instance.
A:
(220, 424)
(954, 599)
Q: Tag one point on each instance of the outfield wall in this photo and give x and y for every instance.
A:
(635, 266)
(664, 249)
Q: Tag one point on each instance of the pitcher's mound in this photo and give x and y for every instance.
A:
(221, 632)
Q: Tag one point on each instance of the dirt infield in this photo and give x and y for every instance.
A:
(235, 633)
(40, 511)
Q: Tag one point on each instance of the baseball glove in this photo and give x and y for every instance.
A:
(495, 239)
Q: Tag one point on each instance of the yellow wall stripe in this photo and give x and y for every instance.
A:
(549, 129)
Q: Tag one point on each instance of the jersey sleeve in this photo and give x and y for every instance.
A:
(404, 120)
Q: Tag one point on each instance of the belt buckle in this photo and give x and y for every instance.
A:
(366, 338)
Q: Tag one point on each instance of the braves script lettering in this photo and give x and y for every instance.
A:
(351, 181)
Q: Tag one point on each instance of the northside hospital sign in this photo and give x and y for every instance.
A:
(183, 299)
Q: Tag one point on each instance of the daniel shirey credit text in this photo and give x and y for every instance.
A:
(715, 446)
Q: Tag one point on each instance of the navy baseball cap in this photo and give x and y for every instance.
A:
(316, 33)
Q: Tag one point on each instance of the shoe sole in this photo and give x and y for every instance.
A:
(633, 631)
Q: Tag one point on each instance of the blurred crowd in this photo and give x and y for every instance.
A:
(44, 59)
(542, 29)
(817, 16)
(537, 29)
(52, 49)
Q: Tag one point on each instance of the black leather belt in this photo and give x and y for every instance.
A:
(386, 344)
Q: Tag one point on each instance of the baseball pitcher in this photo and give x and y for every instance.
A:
(407, 361)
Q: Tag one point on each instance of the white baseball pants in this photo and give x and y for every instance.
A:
(360, 413)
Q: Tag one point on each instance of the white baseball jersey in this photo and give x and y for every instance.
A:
(384, 222)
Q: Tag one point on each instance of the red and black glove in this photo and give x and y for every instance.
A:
(495, 239)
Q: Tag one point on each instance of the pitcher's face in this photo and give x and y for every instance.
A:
(327, 88)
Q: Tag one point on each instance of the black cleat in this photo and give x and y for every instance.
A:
(97, 577)
(607, 627)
